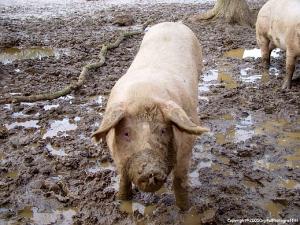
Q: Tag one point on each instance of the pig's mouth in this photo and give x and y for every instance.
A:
(151, 183)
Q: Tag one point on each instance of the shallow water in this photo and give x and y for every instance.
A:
(59, 128)
(12, 174)
(240, 131)
(281, 128)
(226, 79)
(290, 184)
(131, 206)
(274, 209)
(55, 150)
(25, 124)
(216, 77)
(48, 107)
(204, 160)
(59, 216)
(208, 79)
(242, 53)
(194, 218)
(8, 55)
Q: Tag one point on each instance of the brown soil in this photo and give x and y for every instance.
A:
(247, 167)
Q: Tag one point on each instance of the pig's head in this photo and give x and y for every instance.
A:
(141, 139)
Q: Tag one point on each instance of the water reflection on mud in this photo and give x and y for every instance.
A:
(59, 127)
(274, 209)
(53, 150)
(240, 131)
(194, 218)
(8, 55)
(290, 184)
(227, 80)
(242, 53)
(223, 76)
(59, 216)
(131, 206)
(11, 174)
(25, 124)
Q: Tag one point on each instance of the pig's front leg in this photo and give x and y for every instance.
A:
(180, 180)
(184, 145)
(125, 191)
(180, 191)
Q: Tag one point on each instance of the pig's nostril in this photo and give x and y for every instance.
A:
(156, 180)
(151, 180)
(143, 181)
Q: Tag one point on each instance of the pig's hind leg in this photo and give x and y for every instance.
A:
(290, 68)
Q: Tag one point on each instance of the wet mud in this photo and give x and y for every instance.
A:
(51, 172)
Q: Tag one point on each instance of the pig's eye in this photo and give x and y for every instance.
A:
(126, 135)
(163, 131)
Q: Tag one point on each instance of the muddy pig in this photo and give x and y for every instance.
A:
(278, 25)
(150, 122)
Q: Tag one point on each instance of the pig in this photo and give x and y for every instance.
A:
(151, 122)
(278, 25)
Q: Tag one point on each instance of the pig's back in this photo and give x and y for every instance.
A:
(167, 66)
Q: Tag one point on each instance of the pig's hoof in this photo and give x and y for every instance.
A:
(124, 196)
(286, 85)
(182, 201)
(182, 204)
(266, 63)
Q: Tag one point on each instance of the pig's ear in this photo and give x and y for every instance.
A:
(112, 117)
(177, 115)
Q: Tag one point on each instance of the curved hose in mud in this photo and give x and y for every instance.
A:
(82, 77)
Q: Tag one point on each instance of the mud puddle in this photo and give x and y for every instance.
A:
(8, 55)
(242, 53)
(60, 127)
(11, 174)
(224, 75)
(25, 124)
(241, 130)
(195, 218)
(130, 207)
(43, 217)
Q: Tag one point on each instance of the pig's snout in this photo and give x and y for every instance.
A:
(148, 170)
(151, 181)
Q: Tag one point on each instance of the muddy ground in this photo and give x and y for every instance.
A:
(52, 173)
